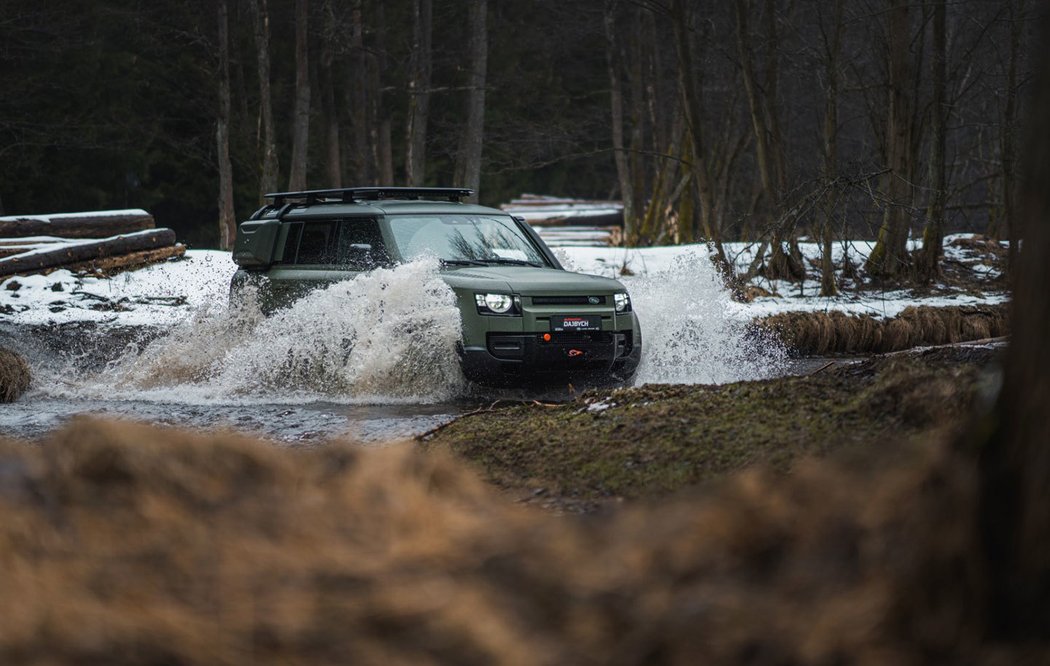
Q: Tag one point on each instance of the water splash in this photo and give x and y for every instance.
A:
(689, 333)
(388, 336)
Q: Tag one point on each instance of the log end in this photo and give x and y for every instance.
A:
(14, 375)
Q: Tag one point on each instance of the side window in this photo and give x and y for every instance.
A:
(360, 245)
(317, 243)
(291, 243)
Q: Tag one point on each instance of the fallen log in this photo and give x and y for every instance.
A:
(77, 252)
(109, 266)
(11, 247)
(101, 224)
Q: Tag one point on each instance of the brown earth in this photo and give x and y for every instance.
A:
(125, 544)
(656, 439)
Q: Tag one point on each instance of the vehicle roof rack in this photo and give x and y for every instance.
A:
(352, 194)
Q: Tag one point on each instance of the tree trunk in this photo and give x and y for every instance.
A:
(358, 101)
(1015, 459)
(269, 168)
(227, 216)
(623, 174)
(889, 258)
(832, 55)
(1008, 142)
(769, 148)
(420, 67)
(301, 115)
(333, 158)
(384, 147)
(468, 162)
(690, 94)
(927, 266)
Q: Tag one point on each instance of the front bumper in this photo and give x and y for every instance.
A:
(509, 358)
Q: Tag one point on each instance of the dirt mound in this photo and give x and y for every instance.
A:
(125, 544)
(14, 375)
(814, 333)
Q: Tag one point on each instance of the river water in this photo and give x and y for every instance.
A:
(370, 359)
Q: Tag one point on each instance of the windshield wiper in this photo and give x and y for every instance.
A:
(512, 262)
(462, 262)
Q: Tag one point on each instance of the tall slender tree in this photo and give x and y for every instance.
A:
(227, 216)
(889, 258)
(301, 114)
(268, 173)
(333, 158)
(927, 263)
(420, 68)
(468, 157)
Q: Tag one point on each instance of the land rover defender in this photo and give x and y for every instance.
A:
(524, 316)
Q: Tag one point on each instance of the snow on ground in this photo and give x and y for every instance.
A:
(166, 293)
(161, 294)
(629, 264)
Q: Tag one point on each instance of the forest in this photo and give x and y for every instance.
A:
(757, 120)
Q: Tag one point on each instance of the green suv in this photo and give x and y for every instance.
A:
(524, 316)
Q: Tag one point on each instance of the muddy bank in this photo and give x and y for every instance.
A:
(817, 333)
(653, 440)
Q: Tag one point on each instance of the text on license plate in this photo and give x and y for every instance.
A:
(576, 323)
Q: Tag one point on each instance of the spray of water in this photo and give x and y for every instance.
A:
(689, 335)
(388, 336)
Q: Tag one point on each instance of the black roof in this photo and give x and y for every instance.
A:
(352, 194)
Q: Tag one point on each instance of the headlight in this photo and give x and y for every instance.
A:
(622, 301)
(501, 304)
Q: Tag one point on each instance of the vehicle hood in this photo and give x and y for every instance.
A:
(529, 281)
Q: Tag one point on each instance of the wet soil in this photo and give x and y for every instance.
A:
(653, 440)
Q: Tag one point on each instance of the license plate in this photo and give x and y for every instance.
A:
(575, 323)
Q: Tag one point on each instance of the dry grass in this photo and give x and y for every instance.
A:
(814, 333)
(125, 544)
(14, 375)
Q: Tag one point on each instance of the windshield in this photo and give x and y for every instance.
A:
(464, 239)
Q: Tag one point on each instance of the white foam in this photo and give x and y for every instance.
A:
(386, 336)
(689, 332)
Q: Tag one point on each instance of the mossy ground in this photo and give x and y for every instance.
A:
(653, 440)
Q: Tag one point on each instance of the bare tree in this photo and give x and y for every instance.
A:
(268, 141)
(384, 144)
(468, 158)
(301, 115)
(765, 108)
(333, 158)
(623, 174)
(831, 55)
(889, 258)
(420, 67)
(227, 216)
(1007, 127)
(703, 159)
(357, 99)
(927, 266)
(1015, 457)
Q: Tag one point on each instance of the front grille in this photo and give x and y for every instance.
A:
(568, 300)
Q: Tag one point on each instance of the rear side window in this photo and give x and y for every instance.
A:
(355, 244)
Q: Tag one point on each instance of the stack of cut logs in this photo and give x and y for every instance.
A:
(100, 243)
